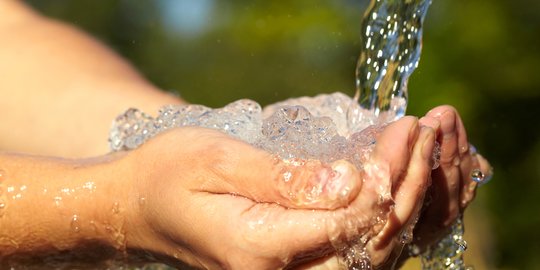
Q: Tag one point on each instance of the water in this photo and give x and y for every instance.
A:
(326, 127)
(391, 46)
(448, 253)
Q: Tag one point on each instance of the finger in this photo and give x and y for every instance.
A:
(447, 183)
(411, 193)
(409, 196)
(463, 143)
(391, 154)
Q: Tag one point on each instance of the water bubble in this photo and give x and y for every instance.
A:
(287, 176)
(462, 244)
(2, 204)
(57, 200)
(414, 250)
(142, 201)
(456, 161)
(75, 223)
(477, 175)
(90, 186)
(406, 237)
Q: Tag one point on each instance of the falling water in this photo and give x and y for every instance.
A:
(391, 45)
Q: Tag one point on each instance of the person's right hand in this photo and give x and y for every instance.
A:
(452, 188)
(214, 202)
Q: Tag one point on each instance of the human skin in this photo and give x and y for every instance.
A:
(61, 89)
(40, 76)
(208, 212)
(450, 187)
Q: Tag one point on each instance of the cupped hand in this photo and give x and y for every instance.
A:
(214, 202)
(406, 160)
(452, 187)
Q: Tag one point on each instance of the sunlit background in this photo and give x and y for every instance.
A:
(479, 56)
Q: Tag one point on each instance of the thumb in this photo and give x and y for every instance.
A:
(309, 184)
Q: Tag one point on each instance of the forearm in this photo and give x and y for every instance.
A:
(61, 89)
(50, 206)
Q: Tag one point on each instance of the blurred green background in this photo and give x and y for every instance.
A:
(479, 56)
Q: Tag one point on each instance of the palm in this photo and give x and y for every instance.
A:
(215, 199)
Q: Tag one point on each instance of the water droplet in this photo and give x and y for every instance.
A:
(89, 186)
(142, 201)
(414, 250)
(2, 204)
(456, 161)
(116, 208)
(10, 189)
(406, 237)
(94, 226)
(2, 175)
(75, 223)
(287, 176)
(477, 175)
(462, 244)
(464, 149)
(57, 200)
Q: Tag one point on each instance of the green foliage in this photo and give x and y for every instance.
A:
(479, 56)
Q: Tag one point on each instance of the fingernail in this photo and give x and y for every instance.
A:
(428, 142)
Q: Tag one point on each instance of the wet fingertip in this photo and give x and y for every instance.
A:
(431, 122)
(448, 124)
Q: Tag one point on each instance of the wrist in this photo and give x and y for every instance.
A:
(54, 206)
(149, 229)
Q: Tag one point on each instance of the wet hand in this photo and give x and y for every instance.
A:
(215, 202)
(452, 186)
(406, 160)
